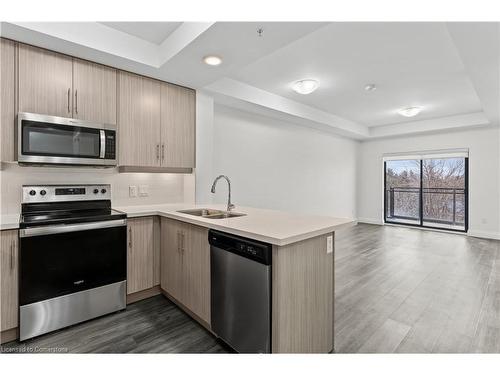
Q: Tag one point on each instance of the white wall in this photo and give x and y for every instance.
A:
(273, 164)
(204, 146)
(163, 188)
(484, 174)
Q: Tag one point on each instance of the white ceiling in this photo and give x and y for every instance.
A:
(451, 70)
(153, 32)
(412, 64)
(238, 44)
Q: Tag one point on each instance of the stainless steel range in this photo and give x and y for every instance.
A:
(73, 257)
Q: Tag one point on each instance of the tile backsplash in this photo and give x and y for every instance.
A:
(161, 187)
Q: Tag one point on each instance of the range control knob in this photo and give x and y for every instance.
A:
(96, 191)
(103, 191)
(43, 192)
(32, 192)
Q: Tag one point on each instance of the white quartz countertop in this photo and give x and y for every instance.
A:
(275, 227)
(10, 221)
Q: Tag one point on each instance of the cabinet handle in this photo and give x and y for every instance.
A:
(69, 110)
(158, 151)
(162, 152)
(76, 101)
(12, 255)
(183, 238)
(130, 237)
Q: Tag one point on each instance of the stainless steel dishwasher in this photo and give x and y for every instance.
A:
(241, 292)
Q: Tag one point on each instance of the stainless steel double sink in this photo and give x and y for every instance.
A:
(211, 213)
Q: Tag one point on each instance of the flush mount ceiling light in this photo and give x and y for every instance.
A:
(305, 86)
(410, 111)
(370, 87)
(212, 60)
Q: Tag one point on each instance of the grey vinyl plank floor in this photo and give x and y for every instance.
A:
(397, 290)
(154, 325)
(404, 290)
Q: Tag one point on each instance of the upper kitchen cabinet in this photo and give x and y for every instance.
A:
(58, 85)
(45, 82)
(94, 92)
(138, 121)
(178, 126)
(156, 120)
(7, 98)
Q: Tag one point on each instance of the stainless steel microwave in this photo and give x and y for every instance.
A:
(42, 139)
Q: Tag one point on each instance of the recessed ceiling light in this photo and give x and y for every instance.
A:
(410, 111)
(370, 87)
(212, 60)
(305, 86)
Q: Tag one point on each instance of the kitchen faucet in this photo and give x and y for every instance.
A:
(230, 206)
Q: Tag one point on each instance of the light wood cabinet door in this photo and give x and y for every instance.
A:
(45, 82)
(178, 125)
(7, 99)
(138, 120)
(9, 276)
(94, 92)
(196, 259)
(140, 254)
(185, 265)
(172, 272)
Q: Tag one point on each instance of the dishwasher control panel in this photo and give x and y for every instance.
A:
(259, 251)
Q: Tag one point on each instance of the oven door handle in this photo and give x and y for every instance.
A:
(55, 229)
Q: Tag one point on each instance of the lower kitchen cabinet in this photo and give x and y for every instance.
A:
(196, 262)
(140, 254)
(171, 258)
(9, 276)
(185, 265)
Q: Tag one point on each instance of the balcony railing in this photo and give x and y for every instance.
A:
(440, 205)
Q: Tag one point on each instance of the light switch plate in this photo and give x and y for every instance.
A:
(132, 191)
(329, 244)
(143, 190)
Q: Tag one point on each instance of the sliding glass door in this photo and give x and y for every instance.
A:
(402, 181)
(428, 192)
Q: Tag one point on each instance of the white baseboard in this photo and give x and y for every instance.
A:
(471, 232)
(369, 221)
(484, 234)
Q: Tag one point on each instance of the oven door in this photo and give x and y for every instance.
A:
(57, 140)
(63, 259)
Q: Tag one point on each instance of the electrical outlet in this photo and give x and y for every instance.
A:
(143, 190)
(132, 191)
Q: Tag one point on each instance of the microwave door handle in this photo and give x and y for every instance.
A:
(103, 144)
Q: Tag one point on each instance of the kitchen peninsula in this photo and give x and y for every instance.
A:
(302, 267)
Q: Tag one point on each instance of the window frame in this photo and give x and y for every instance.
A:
(421, 207)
